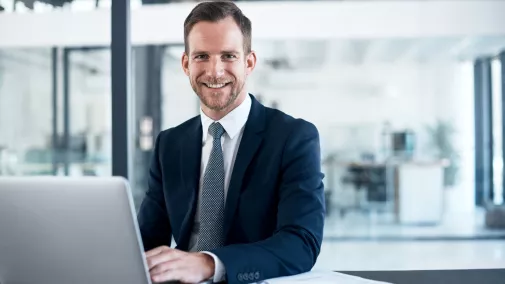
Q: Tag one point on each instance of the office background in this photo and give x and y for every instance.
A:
(407, 96)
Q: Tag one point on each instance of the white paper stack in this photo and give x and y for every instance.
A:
(321, 277)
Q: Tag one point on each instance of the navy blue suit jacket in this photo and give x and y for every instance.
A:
(274, 211)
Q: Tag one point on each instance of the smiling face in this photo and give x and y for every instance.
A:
(217, 65)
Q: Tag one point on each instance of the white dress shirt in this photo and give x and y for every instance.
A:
(233, 123)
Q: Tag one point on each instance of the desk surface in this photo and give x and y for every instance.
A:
(467, 276)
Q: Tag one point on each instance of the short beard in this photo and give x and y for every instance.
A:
(228, 103)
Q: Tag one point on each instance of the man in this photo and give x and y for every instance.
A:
(239, 187)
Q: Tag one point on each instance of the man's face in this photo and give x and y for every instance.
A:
(216, 64)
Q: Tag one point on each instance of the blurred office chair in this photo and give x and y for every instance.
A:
(370, 179)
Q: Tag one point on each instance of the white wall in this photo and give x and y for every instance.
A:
(180, 103)
(25, 103)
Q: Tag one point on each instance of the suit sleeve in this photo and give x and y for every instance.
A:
(295, 245)
(153, 219)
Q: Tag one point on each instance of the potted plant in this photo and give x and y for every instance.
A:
(442, 143)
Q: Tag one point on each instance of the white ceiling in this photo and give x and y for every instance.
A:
(300, 55)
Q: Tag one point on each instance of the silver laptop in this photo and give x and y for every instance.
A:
(69, 230)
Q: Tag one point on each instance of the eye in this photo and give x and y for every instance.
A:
(201, 56)
(230, 56)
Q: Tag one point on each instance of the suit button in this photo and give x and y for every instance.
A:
(251, 276)
(256, 275)
(240, 277)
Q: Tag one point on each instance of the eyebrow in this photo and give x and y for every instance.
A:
(222, 52)
(229, 51)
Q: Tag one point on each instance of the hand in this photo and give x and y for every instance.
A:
(167, 264)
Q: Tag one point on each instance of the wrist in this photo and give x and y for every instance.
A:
(209, 265)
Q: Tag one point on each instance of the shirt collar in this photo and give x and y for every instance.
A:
(232, 122)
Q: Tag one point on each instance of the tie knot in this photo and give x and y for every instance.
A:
(216, 130)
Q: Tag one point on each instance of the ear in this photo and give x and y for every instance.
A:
(250, 62)
(185, 63)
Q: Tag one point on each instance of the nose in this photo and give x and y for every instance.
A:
(215, 68)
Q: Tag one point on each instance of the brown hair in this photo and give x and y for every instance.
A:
(215, 11)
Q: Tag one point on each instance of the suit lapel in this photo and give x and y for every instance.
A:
(190, 159)
(251, 140)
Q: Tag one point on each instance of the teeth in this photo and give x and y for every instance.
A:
(215, 86)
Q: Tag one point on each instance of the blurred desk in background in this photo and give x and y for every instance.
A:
(413, 191)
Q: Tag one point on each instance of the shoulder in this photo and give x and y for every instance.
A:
(298, 143)
(280, 122)
(178, 132)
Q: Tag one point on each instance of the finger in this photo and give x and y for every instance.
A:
(165, 266)
(156, 251)
(163, 257)
(169, 275)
